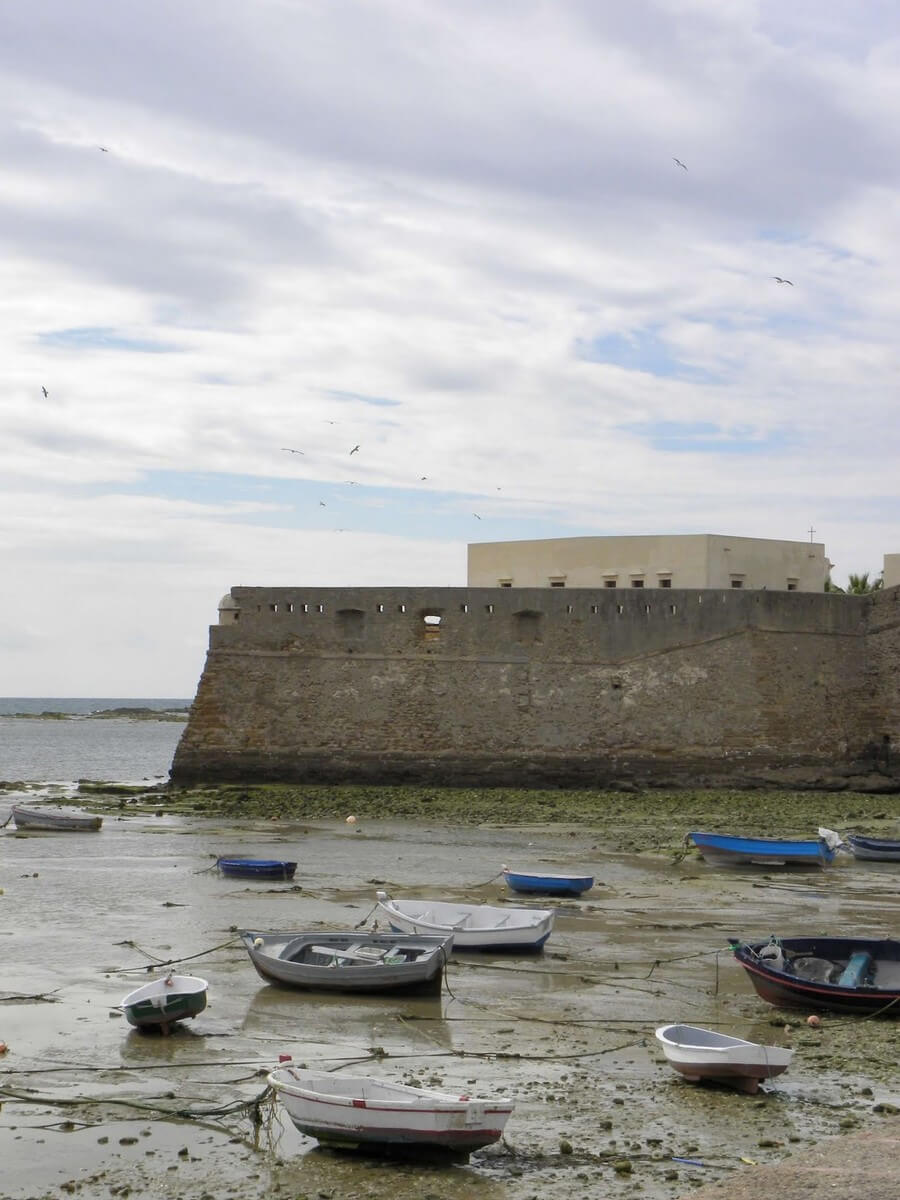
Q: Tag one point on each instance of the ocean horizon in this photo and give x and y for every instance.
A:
(117, 749)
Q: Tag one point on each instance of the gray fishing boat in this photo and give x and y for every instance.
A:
(350, 962)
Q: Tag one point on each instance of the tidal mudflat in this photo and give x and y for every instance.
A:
(93, 1108)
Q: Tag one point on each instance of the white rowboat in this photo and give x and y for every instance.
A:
(361, 1111)
(700, 1054)
(54, 820)
(473, 926)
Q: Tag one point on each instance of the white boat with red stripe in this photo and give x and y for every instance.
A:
(362, 1112)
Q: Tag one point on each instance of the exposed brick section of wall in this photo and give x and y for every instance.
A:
(547, 687)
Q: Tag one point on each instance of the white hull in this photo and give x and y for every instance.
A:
(54, 820)
(362, 1110)
(700, 1054)
(473, 926)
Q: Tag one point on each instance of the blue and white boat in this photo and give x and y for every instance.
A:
(724, 849)
(874, 849)
(545, 884)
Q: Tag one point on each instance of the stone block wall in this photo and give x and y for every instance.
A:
(477, 686)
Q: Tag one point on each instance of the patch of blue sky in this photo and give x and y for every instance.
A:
(377, 401)
(645, 351)
(705, 437)
(97, 337)
(303, 504)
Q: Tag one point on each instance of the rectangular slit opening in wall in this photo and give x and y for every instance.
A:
(401, 608)
(379, 608)
(273, 608)
(464, 608)
(620, 608)
(673, 609)
(489, 608)
(570, 608)
(595, 608)
(289, 607)
(647, 608)
(320, 608)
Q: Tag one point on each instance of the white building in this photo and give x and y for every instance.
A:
(702, 560)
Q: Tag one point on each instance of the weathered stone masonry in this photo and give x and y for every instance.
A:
(568, 687)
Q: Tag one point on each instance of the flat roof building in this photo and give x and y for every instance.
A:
(693, 560)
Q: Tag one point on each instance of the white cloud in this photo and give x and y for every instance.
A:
(415, 219)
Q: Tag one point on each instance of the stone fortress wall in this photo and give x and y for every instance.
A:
(549, 687)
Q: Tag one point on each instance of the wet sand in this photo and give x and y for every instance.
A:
(88, 1104)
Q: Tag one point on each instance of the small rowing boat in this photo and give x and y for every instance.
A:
(256, 868)
(724, 849)
(838, 974)
(350, 962)
(164, 1002)
(473, 926)
(874, 849)
(358, 1112)
(55, 820)
(701, 1054)
(545, 884)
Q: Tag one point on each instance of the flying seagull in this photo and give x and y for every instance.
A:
(46, 393)
(288, 450)
(680, 163)
(354, 450)
(476, 516)
(322, 504)
(778, 279)
(104, 149)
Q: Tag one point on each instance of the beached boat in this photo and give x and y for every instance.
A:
(700, 1054)
(256, 868)
(55, 820)
(874, 849)
(723, 849)
(838, 974)
(473, 926)
(165, 1001)
(365, 1112)
(545, 884)
(350, 962)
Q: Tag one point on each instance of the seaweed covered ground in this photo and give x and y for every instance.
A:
(638, 821)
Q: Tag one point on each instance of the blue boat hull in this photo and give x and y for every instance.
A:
(727, 850)
(548, 885)
(256, 868)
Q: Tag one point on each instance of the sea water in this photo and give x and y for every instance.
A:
(124, 749)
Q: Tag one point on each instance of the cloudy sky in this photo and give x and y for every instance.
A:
(452, 233)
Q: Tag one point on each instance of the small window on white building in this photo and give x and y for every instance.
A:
(610, 581)
(737, 581)
(793, 585)
(557, 581)
(665, 580)
(637, 582)
(504, 583)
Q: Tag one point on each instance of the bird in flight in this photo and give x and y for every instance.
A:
(103, 149)
(778, 279)
(476, 516)
(46, 393)
(422, 478)
(288, 450)
(679, 163)
(354, 450)
(322, 504)
(327, 422)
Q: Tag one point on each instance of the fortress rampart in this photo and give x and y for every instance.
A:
(549, 687)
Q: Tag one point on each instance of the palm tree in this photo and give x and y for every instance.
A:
(859, 585)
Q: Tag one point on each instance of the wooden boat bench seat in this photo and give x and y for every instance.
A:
(856, 972)
(357, 953)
